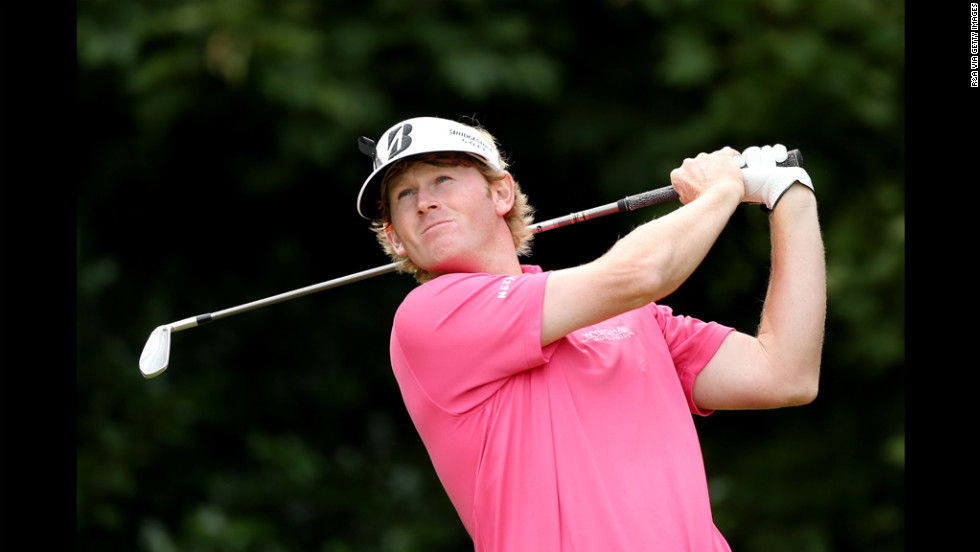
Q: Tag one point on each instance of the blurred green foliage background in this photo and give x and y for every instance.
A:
(220, 166)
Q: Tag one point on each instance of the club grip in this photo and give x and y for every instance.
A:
(661, 195)
(793, 159)
(646, 199)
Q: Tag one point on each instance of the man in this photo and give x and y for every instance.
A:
(556, 405)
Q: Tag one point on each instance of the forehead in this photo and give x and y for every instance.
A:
(421, 169)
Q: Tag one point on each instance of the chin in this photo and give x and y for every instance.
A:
(449, 266)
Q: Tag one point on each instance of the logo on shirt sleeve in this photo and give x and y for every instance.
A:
(504, 286)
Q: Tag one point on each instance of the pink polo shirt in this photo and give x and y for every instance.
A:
(587, 444)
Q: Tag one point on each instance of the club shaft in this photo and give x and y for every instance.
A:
(629, 203)
(575, 218)
(156, 352)
(350, 278)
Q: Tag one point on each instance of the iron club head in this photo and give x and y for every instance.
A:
(156, 353)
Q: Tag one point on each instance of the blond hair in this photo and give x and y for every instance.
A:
(518, 219)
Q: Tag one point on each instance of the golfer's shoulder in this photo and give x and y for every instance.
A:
(443, 290)
(435, 303)
(463, 293)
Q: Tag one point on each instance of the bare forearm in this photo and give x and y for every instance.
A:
(642, 267)
(663, 253)
(654, 259)
(791, 329)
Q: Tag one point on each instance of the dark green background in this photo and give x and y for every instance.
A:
(219, 166)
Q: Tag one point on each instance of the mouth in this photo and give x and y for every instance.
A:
(434, 225)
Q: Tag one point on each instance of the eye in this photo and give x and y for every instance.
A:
(404, 192)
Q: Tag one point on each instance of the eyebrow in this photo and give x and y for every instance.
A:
(395, 185)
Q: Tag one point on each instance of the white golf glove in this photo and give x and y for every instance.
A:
(765, 181)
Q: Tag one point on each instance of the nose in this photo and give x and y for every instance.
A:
(426, 201)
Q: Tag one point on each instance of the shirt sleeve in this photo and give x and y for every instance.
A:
(459, 336)
(692, 343)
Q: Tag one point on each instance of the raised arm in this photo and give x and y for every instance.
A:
(780, 365)
(655, 258)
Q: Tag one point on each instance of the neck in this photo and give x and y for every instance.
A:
(495, 256)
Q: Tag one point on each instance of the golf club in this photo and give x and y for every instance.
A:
(156, 353)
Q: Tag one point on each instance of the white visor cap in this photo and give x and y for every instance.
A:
(412, 137)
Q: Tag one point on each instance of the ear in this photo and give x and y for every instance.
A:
(396, 243)
(502, 192)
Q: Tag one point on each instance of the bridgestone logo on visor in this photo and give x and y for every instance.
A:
(398, 144)
(471, 140)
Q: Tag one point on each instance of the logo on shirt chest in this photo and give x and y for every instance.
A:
(607, 334)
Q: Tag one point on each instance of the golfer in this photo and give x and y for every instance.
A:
(556, 406)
